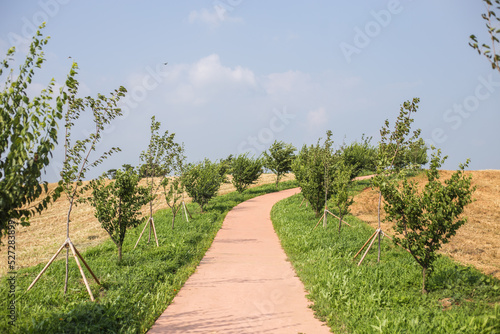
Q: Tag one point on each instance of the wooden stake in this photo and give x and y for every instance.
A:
(185, 211)
(81, 271)
(370, 238)
(371, 243)
(319, 221)
(86, 265)
(154, 230)
(322, 217)
(151, 224)
(140, 236)
(69, 245)
(47, 265)
(343, 221)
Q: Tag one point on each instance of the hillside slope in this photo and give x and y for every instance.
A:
(477, 242)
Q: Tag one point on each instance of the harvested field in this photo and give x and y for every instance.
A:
(39, 242)
(477, 242)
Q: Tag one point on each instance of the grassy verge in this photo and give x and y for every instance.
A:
(135, 291)
(381, 297)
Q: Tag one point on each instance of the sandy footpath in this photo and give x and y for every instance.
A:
(244, 284)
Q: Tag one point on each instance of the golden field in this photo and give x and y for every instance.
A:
(38, 242)
(476, 243)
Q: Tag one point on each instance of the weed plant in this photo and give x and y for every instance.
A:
(135, 291)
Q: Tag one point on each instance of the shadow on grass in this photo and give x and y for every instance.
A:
(135, 291)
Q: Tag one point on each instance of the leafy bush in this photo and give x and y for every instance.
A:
(279, 159)
(162, 157)
(415, 155)
(362, 156)
(313, 169)
(245, 171)
(117, 204)
(341, 182)
(426, 220)
(202, 181)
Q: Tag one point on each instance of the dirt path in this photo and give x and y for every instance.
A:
(244, 284)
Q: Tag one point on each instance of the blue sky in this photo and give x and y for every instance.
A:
(243, 73)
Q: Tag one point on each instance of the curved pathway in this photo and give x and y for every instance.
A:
(244, 284)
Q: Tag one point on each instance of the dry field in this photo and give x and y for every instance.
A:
(478, 241)
(39, 242)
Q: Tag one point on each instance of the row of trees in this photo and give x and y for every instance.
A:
(423, 220)
(29, 134)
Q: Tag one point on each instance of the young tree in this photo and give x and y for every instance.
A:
(245, 171)
(117, 204)
(313, 168)
(413, 156)
(172, 187)
(77, 155)
(202, 181)
(279, 159)
(341, 181)
(127, 168)
(157, 165)
(28, 135)
(360, 155)
(490, 51)
(225, 166)
(310, 175)
(392, 147)
(392, 153)
(425, 220)
(111, 174)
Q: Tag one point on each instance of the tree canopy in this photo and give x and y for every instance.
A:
(28, 135)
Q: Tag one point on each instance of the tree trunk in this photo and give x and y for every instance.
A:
(424, 270)
(379, 235)
(340, 222)
(67, 267)
(324, 211)
(173, 218)
(119, 252)
(150, 217)
(324, 217)
(67, 246)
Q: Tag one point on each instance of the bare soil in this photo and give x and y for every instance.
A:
(38, 242)
(476, 243)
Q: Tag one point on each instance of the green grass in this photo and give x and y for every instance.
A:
(381, 297)
(135, 291)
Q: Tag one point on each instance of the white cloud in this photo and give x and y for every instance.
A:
(207, 80)
(212, 17)
(209, 70)
(317, 118)
(287, 82)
